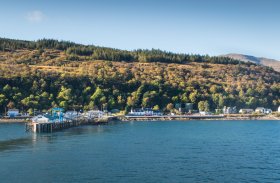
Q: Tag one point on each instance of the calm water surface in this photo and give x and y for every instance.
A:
(196, 151)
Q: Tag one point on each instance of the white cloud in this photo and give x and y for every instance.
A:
(35, 16)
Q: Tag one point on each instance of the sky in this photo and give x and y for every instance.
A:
(212, 27)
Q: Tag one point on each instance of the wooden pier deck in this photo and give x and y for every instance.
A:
(50, 127)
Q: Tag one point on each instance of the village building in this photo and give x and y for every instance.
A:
(145, 112)
(204, 113)
(71, 114)
(263, 110)
(41, 119)
(95, 114)
(229, 110)
(137, 112)
(13, 113)
(260, 110)
(246, 111)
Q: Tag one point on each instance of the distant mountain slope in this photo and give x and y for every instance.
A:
(275, 64)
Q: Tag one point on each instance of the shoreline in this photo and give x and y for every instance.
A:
(221, 119)
(229, 118)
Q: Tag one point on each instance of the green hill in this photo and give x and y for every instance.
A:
(45, 73)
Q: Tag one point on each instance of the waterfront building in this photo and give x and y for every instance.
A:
(279, 109)
(137, 112)
(229, 110)
(246, 111)
(204, 113)
(55, 116)
(260, 110)
(71, 114)
(95, 114)
(145, 112)
(41, 119)
(13, 113)
(263, 110)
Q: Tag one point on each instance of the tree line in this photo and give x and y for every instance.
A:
(91, 52)
(111, 86)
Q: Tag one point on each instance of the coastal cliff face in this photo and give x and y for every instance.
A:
(41, 75)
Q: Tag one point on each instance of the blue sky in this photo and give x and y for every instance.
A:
(211, 27)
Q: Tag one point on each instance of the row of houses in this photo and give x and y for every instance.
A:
(150, 112)
(188, 107)
(261, 110)
(225, 110)
(145, 112)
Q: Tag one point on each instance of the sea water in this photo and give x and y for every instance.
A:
(161, 151)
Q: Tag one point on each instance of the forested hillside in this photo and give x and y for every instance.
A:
(47, 73)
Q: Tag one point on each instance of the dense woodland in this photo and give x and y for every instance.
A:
(47, 73)
(76, 52)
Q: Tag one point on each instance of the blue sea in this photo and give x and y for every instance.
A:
(156, 152)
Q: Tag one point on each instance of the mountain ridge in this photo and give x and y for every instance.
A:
(275, 64)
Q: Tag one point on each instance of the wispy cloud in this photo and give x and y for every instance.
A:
(35, 16)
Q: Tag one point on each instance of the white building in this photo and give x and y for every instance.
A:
(40, 119)
(279, 109)
(260, 110)
(145, 112)
(246, 111)
(268, 111)
(71, 114)
(137, 112)
(13, 113)
(95, 114)
(263, 110)
(204, 113)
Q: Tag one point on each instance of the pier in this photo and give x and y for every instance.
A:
(57, 120)
(53, 126)
(49, 127)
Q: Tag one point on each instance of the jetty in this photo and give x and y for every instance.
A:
(57, 120)
(49, 127)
